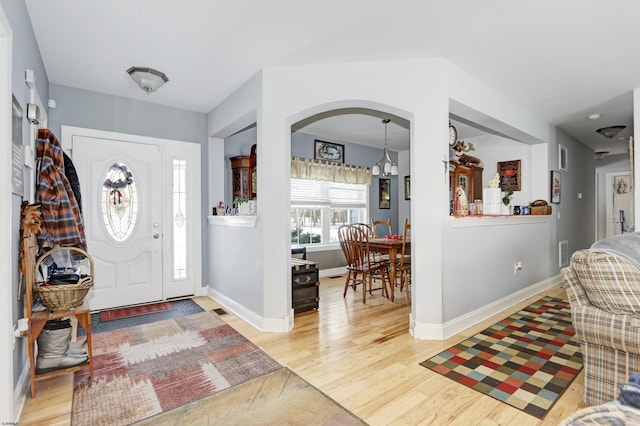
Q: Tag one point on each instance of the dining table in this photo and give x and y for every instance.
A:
(392, 247)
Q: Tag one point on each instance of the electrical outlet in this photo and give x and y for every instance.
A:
(517, 267)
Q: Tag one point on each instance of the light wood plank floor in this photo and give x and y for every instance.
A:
(363, 357)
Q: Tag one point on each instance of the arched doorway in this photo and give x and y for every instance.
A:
(359, 134)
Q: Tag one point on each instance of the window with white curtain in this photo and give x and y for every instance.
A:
(319, 208)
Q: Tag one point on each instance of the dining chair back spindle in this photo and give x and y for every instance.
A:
(381, 228)
(403, 264)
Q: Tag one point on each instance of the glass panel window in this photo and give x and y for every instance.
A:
(319, 208)
(306, 225)
(179, 219)
(119, 201)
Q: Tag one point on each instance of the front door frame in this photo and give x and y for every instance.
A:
(8, 263)
(170, 149)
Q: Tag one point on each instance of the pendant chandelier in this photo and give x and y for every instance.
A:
(385, 166)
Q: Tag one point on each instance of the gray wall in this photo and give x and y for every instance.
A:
(26, 55)
(93, 110)
(469, 284)
(577, 223)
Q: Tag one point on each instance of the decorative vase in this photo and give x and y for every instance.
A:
(243, 209)
(505, 210)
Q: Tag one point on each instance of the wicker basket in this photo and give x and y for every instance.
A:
(64, 296)
(541, 210)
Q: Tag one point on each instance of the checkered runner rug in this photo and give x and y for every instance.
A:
(526, 360)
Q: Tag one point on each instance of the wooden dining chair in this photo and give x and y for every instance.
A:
(403, 263)
(361, 267)
(382, 225)
(385, 227)
(366, 228)
(344, 236)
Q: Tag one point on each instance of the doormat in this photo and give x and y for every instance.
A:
(180, 308)
(134, 311)
(526, 360)
(145, 370)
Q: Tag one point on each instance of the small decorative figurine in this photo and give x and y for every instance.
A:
(495, 182)
(460, 149)
(461, 204)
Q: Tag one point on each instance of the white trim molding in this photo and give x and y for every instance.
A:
(427, 331)
(269, 325)
(9, 411)
(238, 221)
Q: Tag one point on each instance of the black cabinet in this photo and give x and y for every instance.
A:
(305, 285)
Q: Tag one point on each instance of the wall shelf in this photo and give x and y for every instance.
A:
(477, 221)
(233, 221)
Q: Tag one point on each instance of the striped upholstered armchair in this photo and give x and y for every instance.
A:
(604, 293)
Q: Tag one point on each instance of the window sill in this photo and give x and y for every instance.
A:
(324, 247)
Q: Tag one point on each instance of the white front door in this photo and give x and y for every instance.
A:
(121, 191)
(620, 215)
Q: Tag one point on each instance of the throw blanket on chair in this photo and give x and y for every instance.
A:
(625, 245)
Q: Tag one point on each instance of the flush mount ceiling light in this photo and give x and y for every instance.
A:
(601, 154)
(385, 166)
(147, 78)
(611, 131)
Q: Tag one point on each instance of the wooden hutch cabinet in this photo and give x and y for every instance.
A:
(243, 176)
(241, 181)
(469, 177)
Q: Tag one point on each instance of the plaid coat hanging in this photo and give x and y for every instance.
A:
(62, 220)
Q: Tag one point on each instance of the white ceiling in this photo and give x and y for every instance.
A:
(563, 59)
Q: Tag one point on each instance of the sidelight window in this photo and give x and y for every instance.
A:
(179, 219)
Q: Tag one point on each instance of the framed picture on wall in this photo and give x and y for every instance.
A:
(556, 182)
(509, 172)
(407, 187)
(384, 193)
(328, 151)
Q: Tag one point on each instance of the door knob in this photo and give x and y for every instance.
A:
(156, 236)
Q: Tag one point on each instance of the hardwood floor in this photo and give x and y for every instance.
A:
(363, 357)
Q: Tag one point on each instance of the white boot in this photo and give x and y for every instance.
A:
(53, 344)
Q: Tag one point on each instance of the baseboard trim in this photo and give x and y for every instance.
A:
(333, 271)
(420, 331)
(429, 331)
(23, 387)
(269, 325)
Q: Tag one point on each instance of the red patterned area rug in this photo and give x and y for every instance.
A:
(148, 369)
(135, 311)
(527, 360)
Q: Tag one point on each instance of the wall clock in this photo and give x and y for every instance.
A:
(453, 134)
